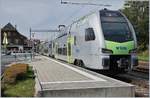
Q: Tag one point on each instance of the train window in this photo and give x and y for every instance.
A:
(53, 45)
(59, 50)
(118, 32)
(50, 45)
(89, 34)
(113, 19)
(110, 14)
(115, 26)
(64, 51)
(75, 40)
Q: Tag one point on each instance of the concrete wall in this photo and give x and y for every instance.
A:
(91, 92)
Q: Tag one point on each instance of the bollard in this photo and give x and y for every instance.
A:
(15, 57)
(31, 56)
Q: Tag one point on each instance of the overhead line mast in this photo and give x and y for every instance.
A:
(40, 30)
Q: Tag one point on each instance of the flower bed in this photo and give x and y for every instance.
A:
(14, 71)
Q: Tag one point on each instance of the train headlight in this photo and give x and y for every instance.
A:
(133, 51)
(106, 51)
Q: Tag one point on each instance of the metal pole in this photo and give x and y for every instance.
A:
(78, 3)
(33, 44)
(30, 33)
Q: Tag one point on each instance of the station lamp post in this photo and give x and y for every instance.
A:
(33, 43)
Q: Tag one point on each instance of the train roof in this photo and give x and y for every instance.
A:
(101, 10)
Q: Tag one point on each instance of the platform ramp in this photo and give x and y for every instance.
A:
(55, 78)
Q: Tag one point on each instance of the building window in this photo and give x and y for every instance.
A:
(9, 41)
(8, 33)
(89, 34)
(16, 41)
(14, 33)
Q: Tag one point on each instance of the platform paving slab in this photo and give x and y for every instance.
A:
(56, 78)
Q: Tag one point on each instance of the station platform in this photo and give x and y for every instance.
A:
(55, 78)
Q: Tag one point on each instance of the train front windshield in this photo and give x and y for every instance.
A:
(115, 27)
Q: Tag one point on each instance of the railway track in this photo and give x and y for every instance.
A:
(139, 79)
(143, 67)
(137, 75)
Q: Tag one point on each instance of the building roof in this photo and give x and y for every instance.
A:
(9, 27)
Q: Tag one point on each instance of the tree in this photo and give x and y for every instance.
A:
(138, 14)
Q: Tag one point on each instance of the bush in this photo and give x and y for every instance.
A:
(15, 71)
(21, 88)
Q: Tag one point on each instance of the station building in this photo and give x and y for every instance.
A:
(15, 40)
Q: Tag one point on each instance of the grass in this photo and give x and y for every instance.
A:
(24, 87)
(143, 56)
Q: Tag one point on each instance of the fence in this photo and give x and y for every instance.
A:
(15, 57)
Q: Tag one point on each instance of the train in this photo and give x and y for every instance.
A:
(102, 40)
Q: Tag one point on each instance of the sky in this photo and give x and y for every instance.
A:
(47, 14)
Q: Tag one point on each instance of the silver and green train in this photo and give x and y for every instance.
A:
(103, 40)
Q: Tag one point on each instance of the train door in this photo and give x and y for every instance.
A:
(70, 41)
